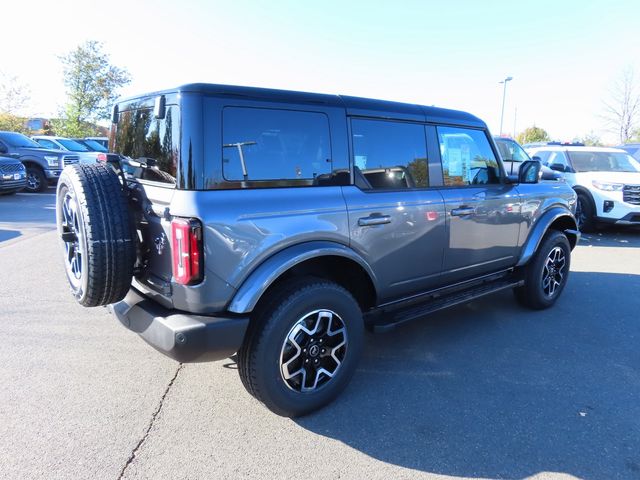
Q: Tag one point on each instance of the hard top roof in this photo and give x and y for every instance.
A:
(354, 105)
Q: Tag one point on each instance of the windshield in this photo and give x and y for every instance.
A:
(72, 145)
(94, 146)
(603, 162)
(17, 140)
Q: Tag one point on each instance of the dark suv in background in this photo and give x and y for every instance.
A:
(43, 165)
(279, 224)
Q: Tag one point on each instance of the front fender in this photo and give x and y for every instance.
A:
(264, 275)
(542, 225)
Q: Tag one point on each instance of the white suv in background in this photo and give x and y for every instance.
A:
(607, 181)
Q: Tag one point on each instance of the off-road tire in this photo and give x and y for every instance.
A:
(532, 294)
(36, 180)
(259, 357)
(105, 237)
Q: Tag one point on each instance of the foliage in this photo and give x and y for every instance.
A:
(590, 140)
(622, 109)
(92, 85)
(532, 134)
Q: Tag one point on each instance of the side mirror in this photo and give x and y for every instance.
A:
(558, 167)
(3, 148)
(529, 172)
(536, 158)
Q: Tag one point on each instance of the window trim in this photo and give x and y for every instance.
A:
(350, 119)
(249, 184)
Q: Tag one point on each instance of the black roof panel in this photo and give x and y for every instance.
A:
(354, 105)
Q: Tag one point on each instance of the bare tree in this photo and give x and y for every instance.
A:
(14, 95)
(622, 109)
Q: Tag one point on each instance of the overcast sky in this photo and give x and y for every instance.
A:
(563, 56)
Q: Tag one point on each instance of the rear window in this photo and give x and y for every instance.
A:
(153, 142)
(278, 147)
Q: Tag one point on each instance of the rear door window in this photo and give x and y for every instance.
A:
(467, 157)
(390, 155)
(278, 147)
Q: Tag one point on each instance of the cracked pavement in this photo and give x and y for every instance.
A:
(485, 390)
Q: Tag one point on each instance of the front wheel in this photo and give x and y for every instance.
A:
(302, 347)
(585, 215)
(546, 274)
(36, 180)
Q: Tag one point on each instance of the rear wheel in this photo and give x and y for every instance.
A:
(96, 233)
(302, 347)
(36, 180)
(546, 274)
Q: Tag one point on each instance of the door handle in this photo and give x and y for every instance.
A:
(374, 220)
(462, 211)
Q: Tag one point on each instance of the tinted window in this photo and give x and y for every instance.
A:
(510, 150)
(467, 158)
(18, 140)
(542, 155)
(390, 155)
(73, 146)
(603, 162)
(282, 146)
(558, 158)
(152, 141)
(47, 144)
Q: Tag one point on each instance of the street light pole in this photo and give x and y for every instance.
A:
(504, 94)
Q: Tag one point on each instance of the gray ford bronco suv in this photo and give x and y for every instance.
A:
(278, 225)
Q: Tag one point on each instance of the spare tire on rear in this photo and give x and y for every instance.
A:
(97, 234)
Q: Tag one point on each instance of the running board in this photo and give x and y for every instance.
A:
(400, 317)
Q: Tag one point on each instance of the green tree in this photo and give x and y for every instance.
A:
(92, 87)
(590, 139)
(532, 134)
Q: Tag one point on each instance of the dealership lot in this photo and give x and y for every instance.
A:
(485, 390)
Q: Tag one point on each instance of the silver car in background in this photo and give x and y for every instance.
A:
(85, 154)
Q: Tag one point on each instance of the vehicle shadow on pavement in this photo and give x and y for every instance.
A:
(492, 390)
(8, 235)
(613, 237)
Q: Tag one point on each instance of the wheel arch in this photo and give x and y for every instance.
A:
(328, 260)
(556, 218)
(30, 162)
(579, 189)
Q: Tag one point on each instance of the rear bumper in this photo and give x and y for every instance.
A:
(180, 335)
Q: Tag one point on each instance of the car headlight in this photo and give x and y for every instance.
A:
(607, 187)
(52, 160)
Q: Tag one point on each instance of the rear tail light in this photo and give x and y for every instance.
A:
(186, 240)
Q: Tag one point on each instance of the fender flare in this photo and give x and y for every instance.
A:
(540, 229)
(261, 278)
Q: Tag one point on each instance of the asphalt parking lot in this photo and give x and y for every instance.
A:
(484, 390)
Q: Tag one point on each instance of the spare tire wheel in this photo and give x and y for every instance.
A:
(97, 233)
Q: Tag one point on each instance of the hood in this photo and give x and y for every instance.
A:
(9, 161)
(41, 151)
(585, 178)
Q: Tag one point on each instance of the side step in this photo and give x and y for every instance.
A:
(402, 316)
